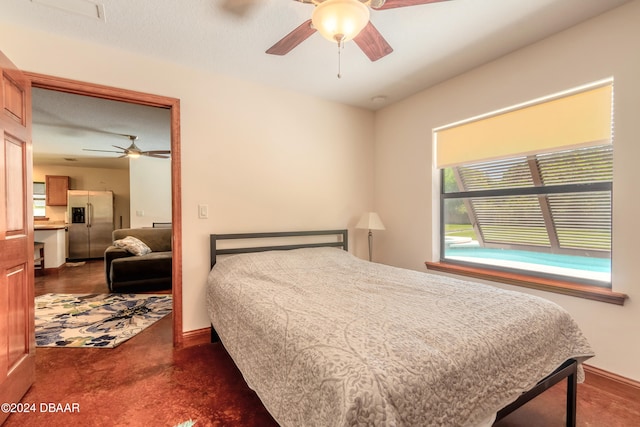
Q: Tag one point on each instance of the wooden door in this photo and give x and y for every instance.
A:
(17, 336)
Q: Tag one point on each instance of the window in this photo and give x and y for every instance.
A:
(529, 190)
(549, 214)
(39, 197)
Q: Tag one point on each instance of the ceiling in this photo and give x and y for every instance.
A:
(66, 125)
(431, 42)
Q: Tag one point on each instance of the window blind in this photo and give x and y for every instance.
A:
(580, 215)
(581, 119)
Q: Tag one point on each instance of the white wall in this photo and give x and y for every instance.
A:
(406, 195)
(260, 158)
(150, 187)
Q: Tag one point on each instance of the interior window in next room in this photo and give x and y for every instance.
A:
(39, 196)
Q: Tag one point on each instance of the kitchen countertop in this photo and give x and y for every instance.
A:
(49, 226)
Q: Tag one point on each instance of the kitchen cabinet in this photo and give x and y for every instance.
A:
(56, 190)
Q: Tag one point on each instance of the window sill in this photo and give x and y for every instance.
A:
(560, 287)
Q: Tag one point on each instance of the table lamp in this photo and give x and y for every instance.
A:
(370, 221)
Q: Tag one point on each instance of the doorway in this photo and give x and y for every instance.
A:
(110, 93)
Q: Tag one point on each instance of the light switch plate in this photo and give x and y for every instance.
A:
(203, 211)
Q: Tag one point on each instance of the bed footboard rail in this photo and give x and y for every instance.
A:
(568, 370)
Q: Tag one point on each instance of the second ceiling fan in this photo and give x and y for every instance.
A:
(368, 39)
(133, 151)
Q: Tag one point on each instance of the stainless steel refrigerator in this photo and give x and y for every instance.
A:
(90, 223)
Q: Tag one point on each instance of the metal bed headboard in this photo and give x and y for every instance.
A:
(214, 238)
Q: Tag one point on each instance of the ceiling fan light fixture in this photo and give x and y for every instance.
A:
(133, 152)
(340, 20)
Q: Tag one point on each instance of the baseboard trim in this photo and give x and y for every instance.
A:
(605, 379)
(196, 337)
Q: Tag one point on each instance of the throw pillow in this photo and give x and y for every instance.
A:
(132, 245)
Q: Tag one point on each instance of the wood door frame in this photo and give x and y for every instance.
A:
(59, 84)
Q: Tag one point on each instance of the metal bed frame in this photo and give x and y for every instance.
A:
(568, 370)
(214, 238)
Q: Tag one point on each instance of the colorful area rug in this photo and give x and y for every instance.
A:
(96, 320)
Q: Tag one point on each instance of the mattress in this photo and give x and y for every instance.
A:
(327, 339)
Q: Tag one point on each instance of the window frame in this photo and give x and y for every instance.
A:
(566, 285)
(594, 293)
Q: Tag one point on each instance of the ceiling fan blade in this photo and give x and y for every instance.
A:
(157, 156)
(79, 128)
(293, 39)
(371, 42)
(104, 151)
(123, 149)
(157, 152)
(392, 4)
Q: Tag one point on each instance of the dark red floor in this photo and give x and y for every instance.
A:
(142, 382)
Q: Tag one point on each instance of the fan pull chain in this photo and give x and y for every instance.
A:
(340, 39)
(339, 57)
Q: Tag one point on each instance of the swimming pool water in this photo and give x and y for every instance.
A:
(596, 265)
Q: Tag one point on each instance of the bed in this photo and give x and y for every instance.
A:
(327, 339)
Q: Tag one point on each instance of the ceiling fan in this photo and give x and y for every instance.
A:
(368, 39)
(134, 152)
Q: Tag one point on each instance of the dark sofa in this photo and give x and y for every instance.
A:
(126, 272)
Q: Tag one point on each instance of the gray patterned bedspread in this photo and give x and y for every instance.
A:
(326, 339)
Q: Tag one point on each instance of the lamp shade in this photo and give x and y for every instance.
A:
(370, 221)
(340, 20)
